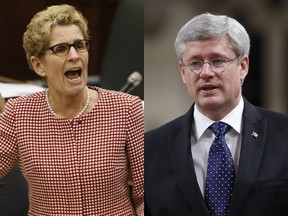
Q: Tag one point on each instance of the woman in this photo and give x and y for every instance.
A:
(75, 144)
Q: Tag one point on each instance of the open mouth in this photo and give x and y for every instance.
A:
(208, 88)
(73, 74)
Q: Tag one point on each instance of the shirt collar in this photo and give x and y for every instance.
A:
(234, 119)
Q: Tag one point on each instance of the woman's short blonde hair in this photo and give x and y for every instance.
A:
(38, 33)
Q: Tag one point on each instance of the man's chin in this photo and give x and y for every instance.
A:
(209, 102)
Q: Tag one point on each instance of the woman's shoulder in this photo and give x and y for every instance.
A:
(29, 100)
(112, 95)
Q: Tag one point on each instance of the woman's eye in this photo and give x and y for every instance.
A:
(60, 49)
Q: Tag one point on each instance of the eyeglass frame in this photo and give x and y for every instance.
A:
(87, 46)
(226, 63)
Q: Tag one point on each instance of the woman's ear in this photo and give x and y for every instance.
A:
(37, 66)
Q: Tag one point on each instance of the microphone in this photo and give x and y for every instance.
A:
(133, 80)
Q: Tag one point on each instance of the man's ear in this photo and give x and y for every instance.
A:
(37, 66)
(182, 72)
(244, 67)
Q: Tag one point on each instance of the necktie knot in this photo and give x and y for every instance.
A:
(219, 128)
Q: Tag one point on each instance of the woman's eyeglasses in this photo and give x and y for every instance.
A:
(63, 49)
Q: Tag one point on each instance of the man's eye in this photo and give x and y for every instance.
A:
(218, 62)
(196, 64)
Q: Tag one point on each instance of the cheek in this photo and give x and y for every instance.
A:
(190, 83)
(85, 61)
(232, 78)
(233, 85)
(85, 57)
(52, 63)
(54, 70)
(184, 79)
(188, 78)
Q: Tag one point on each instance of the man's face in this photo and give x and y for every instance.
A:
(215, 93)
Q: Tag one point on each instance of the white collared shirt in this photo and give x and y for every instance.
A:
(202, 138)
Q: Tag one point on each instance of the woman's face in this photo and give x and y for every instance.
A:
(66, 75)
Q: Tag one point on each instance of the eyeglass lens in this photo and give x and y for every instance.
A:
(63, 49)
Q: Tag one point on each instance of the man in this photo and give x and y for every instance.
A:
(190, 168)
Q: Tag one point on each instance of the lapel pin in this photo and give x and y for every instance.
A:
(254, 134)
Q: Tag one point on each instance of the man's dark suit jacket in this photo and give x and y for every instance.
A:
(261, 185)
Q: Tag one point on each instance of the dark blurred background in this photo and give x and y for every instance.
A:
(266, 22)
(117, 34)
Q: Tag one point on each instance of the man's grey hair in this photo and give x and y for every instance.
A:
(207, 26)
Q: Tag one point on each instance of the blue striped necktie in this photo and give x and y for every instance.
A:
(220, 173)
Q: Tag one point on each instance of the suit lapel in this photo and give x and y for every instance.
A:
(253, 140)
(180, 154)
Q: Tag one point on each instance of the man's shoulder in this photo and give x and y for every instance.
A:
(169, 127)
(257, 113)
(272, 115)
(163, 128)
(275, 121)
